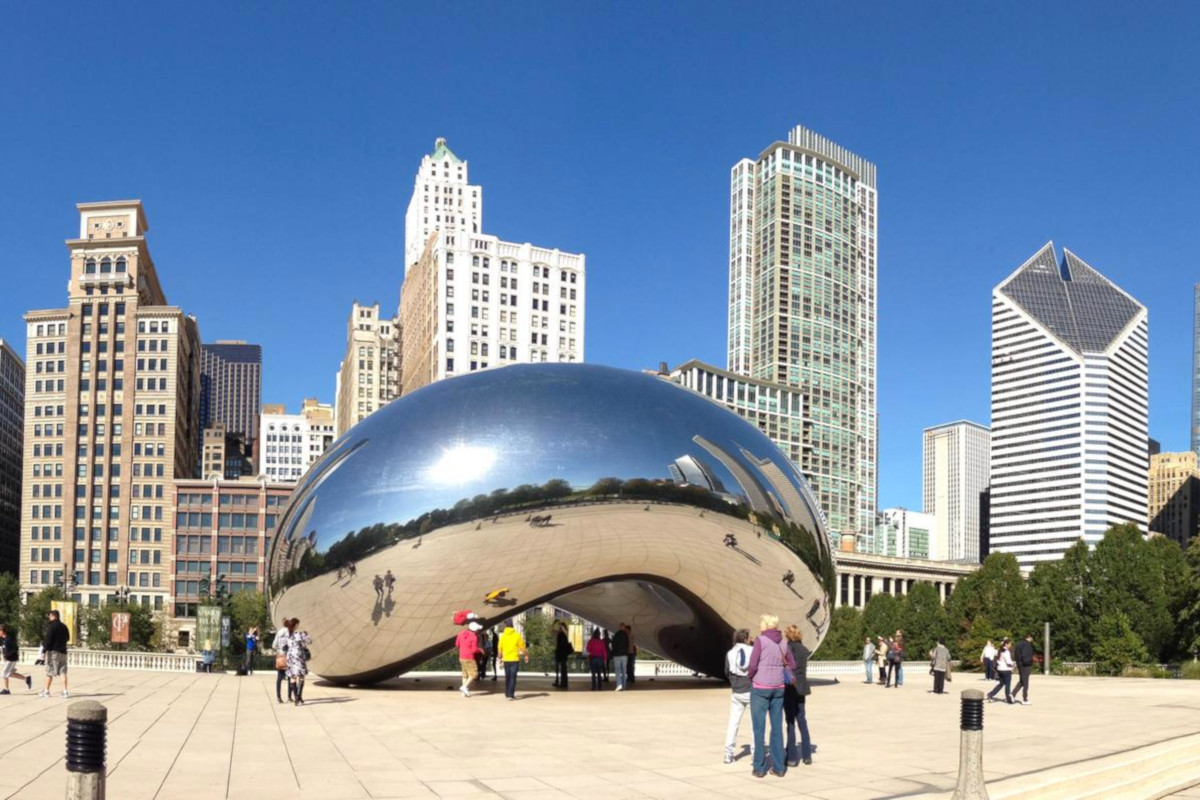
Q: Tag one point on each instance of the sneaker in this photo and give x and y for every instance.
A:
(44, 693)
(29, 683)
(729, 758)
(758, 774)
(465, 692)
(619, 688)
(5, 691)
(1024, 702)
(65, 695)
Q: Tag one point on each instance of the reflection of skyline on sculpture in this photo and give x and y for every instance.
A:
(477, 455)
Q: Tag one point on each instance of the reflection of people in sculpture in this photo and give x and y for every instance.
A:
(812, 612)
(389, 580)
(378, 588)
(730, 540)
(788, 579)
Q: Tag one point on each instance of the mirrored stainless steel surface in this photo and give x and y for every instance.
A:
(616, 495)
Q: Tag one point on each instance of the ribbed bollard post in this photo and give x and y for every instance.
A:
(87, 734)
(970, 749)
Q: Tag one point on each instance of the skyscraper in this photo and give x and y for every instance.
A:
(470, 300)
(802, 306)
(369, 374)
(231, 387)
(1196, 369)
(112, 394)
(956, 459)
(292, 442)
(1069, 408)
(1173, 508)
(12, 437)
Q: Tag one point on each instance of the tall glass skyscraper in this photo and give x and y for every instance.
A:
(802, 306)
(1196, 370)
(1069, 408)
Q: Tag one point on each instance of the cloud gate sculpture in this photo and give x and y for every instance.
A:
(616, 495)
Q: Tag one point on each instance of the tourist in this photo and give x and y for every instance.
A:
(378, 583)
(297, 659)
(512, 649)
(277, 644)
(899, 641)
(467, 643)
(939, 665)
(794, 695)
(1004, 668)
(1024, 664)
(769, 661)
(597, 655)
(251, 649)
(562, 654)
(494, 649)
(389, 580)
(208, 656)
(11, 654)
(989, 661)
(620, 655)
(869, 660)
(895, 658)
(55, 640)
(737, 661)
(484, 652)
(629, 665)
(881, 651)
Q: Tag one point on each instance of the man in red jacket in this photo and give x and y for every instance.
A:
(467, 643)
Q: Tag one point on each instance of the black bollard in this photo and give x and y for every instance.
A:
(87, 735)
(970, 748)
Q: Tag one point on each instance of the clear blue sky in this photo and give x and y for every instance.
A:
(274, 147)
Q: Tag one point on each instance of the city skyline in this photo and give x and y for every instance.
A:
(562, 186)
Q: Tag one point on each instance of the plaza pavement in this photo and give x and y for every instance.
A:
(189, 736)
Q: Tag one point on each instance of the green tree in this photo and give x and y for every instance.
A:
(996, 590)
(536, 630)
(844, 641)
(924, 620)
(95, 626)
(1188, 617)
(1127, 577)
(882, 615)
(1117, 646)
(247, 610)
(1060, 593)
(1175, 576)
(970, 645)
(10, 600)
(33, 615)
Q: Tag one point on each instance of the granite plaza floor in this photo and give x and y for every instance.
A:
(220, 736)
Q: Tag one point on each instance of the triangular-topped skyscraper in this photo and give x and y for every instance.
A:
(1069, 408)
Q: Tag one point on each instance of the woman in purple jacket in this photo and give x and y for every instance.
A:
(770, 662)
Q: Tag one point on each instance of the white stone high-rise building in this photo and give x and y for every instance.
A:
(955, 475)
(802, 306)
(368, 375)
(471, 301)
(292, 442)
(1069, 408)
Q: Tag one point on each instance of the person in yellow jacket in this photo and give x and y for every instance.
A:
(512, 650)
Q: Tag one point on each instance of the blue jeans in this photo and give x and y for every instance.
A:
(793, 712)
(620, 665)
(766, 703)
(868, 664)
(597, 665)
(510, 678)
(1004, 681)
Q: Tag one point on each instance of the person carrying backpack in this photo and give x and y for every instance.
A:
(737, 661)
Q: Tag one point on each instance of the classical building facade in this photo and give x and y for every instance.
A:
(861, 575)
(955, 460)
(112, 393)
(231, 387)
(12, 438)
(1069, 408)
(223, 533)
(292, 442)
(1173, 487)
(369, 374)
(802, 306)
(474, 301)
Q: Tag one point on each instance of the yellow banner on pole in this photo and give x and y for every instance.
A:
(68, 613)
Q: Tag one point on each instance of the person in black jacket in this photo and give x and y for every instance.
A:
(562, 652)
(794, 696)
(54, 642)
(1024, 659)
(11, 654)
(619, 651)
